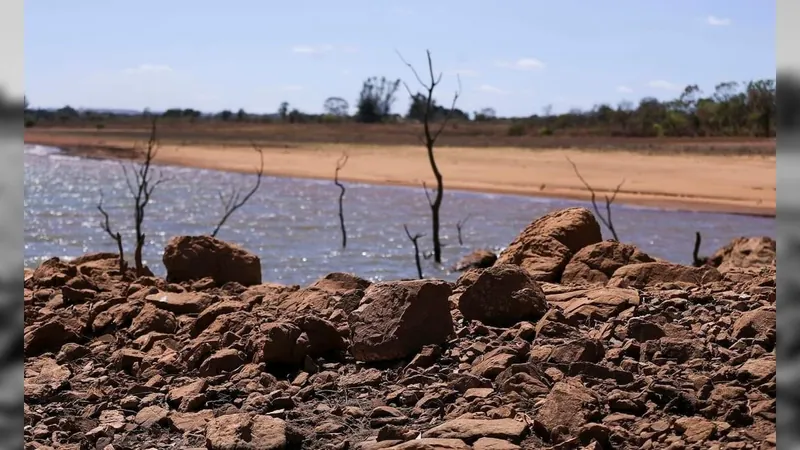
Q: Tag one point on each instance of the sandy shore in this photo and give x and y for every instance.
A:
(733, 184)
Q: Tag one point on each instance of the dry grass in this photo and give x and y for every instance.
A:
(477, 135)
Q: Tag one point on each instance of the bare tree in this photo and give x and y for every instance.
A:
(429, 140)
(234, 200)
(459, 225)
(146, 180)
(106, 226)
(414, 240)
(339, 166)
(607, 221)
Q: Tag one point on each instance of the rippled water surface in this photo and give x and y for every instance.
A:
(292, 224)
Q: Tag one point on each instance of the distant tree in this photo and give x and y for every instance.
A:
(485, 114)
(241, 116)
(283, 110)
(376, 99)
(336, 106)
(226, 115)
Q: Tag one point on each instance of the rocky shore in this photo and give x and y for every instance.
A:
(565, 342)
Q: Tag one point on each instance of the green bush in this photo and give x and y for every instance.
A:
(658, 130)
(516, 129)
(545, 131)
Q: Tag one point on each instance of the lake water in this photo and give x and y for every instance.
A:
(292, 224)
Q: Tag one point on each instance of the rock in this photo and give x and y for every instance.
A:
(431, 444)
(479, 259)
(396, 319)
(223, 361)
(190, 258)
(586, 350)
(187, 422)
(544, 257)
(644, 330)
(745, 253)
(339, 283)
(153, 320)
(49, 336)
(648, 274)
(210, 314)
(323, 336)
(502, 296)
(695, 429)
(494, 444)
(181, 302)
(278, 342)
(599, 304)
(243, 431)
(760, 322)
(574, 227)
(757, 370)
(566, 408)
(52, 273)
(150, 416)
(473, 429)
(596, 263)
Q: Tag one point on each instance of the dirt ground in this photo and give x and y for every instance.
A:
(719, 177)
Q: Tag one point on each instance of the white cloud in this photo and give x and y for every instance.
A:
(491, 89)
(522, 64)
(320, 49)
(718, 21)
(666, 85)
(149, 68)
(624, 89)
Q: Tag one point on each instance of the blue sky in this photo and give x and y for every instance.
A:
(516, 56)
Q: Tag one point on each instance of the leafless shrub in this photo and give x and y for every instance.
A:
(414, 240)
(339, 166)
(235, 200)
(606, 220)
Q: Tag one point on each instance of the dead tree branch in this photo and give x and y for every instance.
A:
(235, 200)
(697, 260)
(146, 180)
(606, 220)
(414, 240)
(106, 226)
(429, 137)
(459, 225)
(339, 166)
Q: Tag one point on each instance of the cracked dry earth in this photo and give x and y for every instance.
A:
(566, 342)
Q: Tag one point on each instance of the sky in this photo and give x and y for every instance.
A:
(515, 56)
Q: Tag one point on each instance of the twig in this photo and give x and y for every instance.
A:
(414, 240)
(339, 166)
(235, 200)
(459, 225)
(607, 220)
(698, 261)
(117, 237)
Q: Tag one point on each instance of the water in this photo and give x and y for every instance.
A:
(292, 224)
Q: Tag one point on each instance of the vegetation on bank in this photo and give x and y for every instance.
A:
(733, 109)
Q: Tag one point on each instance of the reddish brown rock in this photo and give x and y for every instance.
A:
(566, 408)
(223, 361)
(479, 259)
(599, 304)
(760, 322)
(649, 274)
(190, 258)
(473, 429)
(49, 336)
(153, 320)
(596, 263)
(244, 431)
(544, 257)
(396, 319)
(502, 296)
(181, 302)
(745, 253)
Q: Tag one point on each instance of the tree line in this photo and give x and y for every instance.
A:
(732, 109)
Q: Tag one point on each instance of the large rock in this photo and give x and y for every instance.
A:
(545, 246)
(503, 295)
(191, 258)
(244, 431)
(745, 253)
(759, 322)
(472, 429)
(596, 263)
(49, 336)
(396, 319)
(649, 274)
